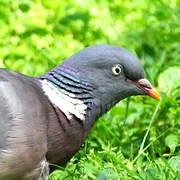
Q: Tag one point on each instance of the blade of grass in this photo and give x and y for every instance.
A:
(127, 109)
(150, 124)
(139, 154)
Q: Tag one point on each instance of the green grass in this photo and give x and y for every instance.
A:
(139, 138)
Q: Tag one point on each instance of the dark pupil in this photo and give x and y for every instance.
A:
(117, 70)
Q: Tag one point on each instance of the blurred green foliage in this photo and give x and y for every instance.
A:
(36, 35)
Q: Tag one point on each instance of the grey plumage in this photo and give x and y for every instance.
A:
(35, 128)
(23, 128)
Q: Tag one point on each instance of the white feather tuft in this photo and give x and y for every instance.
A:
(68, 104)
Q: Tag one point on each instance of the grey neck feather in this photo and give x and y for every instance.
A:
(70, 84)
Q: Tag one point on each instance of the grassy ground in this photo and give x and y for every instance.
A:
(139, 138)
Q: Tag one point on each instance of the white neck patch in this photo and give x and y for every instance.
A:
(68, 104)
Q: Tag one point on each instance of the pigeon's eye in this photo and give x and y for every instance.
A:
(116, 70)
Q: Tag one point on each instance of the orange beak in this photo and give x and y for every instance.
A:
(152, 92)
(146, 86)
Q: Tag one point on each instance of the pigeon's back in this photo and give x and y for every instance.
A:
(22, 115)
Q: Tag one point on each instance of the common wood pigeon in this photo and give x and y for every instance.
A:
(46, 119)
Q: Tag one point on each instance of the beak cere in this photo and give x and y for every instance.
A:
(146, 86)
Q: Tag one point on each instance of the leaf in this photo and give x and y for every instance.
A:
(106, 174)
(174, 162)
(169, 79)
(172, 141)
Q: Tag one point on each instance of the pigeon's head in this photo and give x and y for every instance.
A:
(113, 72)
(98, 77)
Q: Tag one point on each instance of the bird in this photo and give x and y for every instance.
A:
(45, 119)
